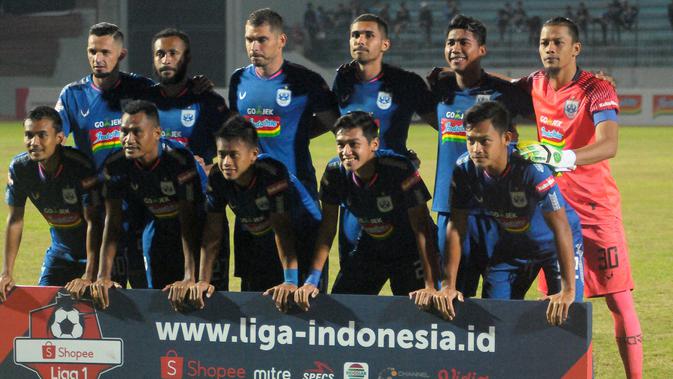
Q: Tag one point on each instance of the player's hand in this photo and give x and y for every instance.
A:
(604, 76)
(201, 84)
(6, 285)
(561, 160)
(443, 300)
(77, 287)
(303, 294)
(438, 72)
(196, 292)
(559, 305)
(178, 293)
(423, 297)
(99, 292)
(414, 158)
(281, 294)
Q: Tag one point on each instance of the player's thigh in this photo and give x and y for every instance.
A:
(349, 231)
(499, 280)
(443, 219)
(406, 274)
(56, 271)
(606, 260)
(360, 275)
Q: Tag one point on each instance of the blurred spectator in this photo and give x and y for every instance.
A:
(670, 14)
(296, 39)
(503, 19)
(311, 27)
(630, 13)
(569, 12)
(534, 24)
(342, 17)
(615, 18)
(402, 19)
(325, 21)
(582, 18)
(425, 21)
(384, 13)
(519, 17)
(451, 9)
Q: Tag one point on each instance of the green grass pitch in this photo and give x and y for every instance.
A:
(642, 169)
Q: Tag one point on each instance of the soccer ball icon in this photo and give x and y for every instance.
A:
(67, 323)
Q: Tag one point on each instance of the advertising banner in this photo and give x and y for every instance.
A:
(47, 334)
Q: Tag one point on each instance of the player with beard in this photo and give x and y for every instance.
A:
(287, 103)
(164, 181)
(578, 128)
(188, 117)
(456, 91)
(61, 182)
(390, 93)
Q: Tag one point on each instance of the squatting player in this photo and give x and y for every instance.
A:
(577, 113)
(187, 116)
(164, 181)
(467, 85)
(270, 204)
(287, 103)
(390, 93)
(537, 228)
(61, 182)
(388, 196)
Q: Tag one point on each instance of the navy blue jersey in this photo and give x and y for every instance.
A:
(281, 107)
(272, 190)
(159, 189)
(190, 119)
(60, 198)
(516, 199)
(392, 98)
(94, 116)
(381, 204)
(453, 103)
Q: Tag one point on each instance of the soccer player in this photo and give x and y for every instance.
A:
(388, 196)
(456, 92)
(61, 182)
(188, 117)
(577, 121)
(270, 204)
(163, 181)
(538, 228)
(391, 94)
(287, 103)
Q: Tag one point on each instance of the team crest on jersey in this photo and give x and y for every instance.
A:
(571, 107)
(70, 196)
(188, 117)
(167, 188)
(283, 97)
(482, 98)
(262, 203)
(384, 100)
(384, 203)
(518, 199)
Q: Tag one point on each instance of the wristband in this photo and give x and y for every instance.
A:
(291, 275)
(314, 278)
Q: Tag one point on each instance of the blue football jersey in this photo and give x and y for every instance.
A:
(516, 199)
(453, 104)
(392, 98)
(281, 107)
(190, 119)
(94, 116)
(159, 189)
(60, 198)
(381, 204)
(272, 190)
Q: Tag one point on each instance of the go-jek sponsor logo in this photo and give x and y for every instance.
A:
(321, 370)
(175, 366)
(452, 127)
(356, 370)
(65, 342)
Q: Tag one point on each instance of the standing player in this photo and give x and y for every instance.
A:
(576, 115)
(537, 228)
(391, 94)
(188, 117)
(164, 181)
(270, 204)
(287, 103)
(61, 182)
(388, 196)
(456, 92)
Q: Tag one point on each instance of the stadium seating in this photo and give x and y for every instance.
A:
(650, 43)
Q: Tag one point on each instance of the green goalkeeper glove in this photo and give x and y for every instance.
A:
(561, 160)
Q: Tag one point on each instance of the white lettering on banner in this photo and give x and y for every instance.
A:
(269, 336)
(107, 351)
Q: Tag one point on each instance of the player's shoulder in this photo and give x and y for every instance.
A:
(267, 165)
(334, 165)
(528, 170)
(298, 73)
(390, 161)
(72, 156)
(76, 86)
(20, 161)
(464, 163)
(115, 163)
(136, 79)
(177, 152)
(593, 86)
(398, 73)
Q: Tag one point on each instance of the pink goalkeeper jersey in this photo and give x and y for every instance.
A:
(565, 119)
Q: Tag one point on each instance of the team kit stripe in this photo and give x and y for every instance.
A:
(560, 144)
(106, 145)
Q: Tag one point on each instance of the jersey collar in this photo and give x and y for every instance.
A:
(95, 87)
(43, 174)
(358, 182)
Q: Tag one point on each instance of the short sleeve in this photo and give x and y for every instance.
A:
(546, 191)
(460, 189)
(188, 182)
(15, 196)
(62, 106)
(216, 200)
(602, 96)
(422, 99)
(114, 183)
(414, 191)
(321, 97)
(331, 184)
